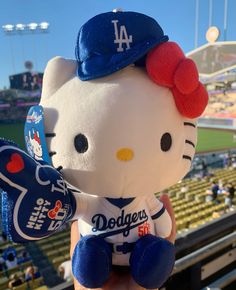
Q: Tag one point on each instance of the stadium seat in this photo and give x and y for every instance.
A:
(25, 265)
(64, 249)
(13, 270)
(57, 261)
(33, 284)
(3, 283)
(46, 247)
(23, 286)
(44, 287)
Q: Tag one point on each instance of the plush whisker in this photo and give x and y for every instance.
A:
(190, 143)
(189, 124)
(50, 135)
(59, 168)
(73, 189)
(187, 157)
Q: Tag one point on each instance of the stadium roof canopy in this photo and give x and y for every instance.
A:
(214, 59)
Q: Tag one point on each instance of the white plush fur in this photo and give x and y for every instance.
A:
(123, 110)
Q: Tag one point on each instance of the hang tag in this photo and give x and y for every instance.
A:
(35, 139)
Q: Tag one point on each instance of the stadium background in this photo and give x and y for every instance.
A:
(206, 237)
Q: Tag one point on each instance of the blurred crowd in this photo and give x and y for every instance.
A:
(13, 114)
(16, 279)
(14, 104)
(221, 188)
(221, 103)
(65, 271)
(203, 165)
(11, 260)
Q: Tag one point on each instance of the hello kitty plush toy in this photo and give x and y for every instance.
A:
(115, 126)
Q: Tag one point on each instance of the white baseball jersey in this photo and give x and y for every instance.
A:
(119, 221)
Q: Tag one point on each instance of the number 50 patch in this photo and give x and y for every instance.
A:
(144, 229)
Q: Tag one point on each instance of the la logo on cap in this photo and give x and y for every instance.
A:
(123, 32)
(121, 37)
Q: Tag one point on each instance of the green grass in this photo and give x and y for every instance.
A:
(208, 139)
(14, 132)
(215, 140)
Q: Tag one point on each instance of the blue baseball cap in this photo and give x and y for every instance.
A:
(111, 41)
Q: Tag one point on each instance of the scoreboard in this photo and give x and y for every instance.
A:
(29, 81)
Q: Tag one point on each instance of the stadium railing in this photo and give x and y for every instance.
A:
(205, 252)
(64, 286)
(212, 264)
(222, 282)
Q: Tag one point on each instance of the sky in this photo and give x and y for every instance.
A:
(176, 17)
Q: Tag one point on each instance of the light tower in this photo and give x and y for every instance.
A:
(24, 29)
(20, 28)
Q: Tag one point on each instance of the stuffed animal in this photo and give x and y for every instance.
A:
(113, 127)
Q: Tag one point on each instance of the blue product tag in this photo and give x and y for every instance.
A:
(35, 139)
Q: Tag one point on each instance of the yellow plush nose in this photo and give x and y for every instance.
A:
(125, 154)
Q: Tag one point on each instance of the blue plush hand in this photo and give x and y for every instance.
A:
(36, 201)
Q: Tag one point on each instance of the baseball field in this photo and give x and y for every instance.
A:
(209, 140)
(214, 139)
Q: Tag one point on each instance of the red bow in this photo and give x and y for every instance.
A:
(167, 66)
(53, 212)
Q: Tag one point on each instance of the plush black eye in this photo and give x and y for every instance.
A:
(166, 142)
(81, 143)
